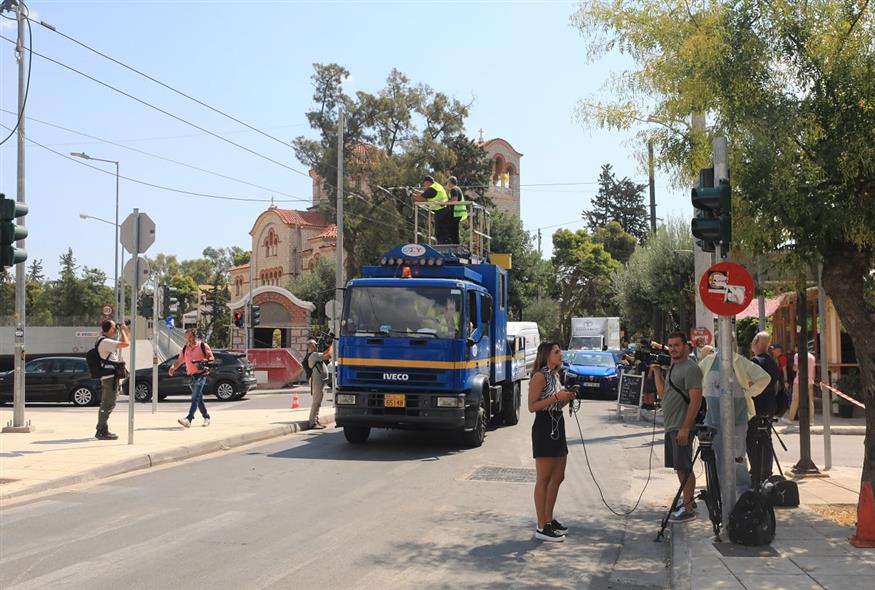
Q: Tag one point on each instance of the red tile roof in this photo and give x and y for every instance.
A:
(330, 232)
(295, 217)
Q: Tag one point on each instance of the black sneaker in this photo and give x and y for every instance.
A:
(106, 435)
(559, 527)
(317, 426)
(548, 534)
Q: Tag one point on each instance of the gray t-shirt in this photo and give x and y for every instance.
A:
(685, 375)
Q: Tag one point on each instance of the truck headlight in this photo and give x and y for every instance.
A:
(344, 399)
(451, 402)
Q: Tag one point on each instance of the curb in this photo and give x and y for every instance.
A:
(174, 455)
(681, 577)
(836, 430)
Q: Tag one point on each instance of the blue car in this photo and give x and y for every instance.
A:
(594, 370)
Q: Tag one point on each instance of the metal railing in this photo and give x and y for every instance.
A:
(478, 227)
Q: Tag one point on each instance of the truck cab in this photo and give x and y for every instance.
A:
(423, 344)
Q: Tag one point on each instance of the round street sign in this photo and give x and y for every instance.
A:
(107, 310)
(144, 271)
(726, 288)
(701, 336)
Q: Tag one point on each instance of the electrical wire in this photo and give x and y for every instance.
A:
(621, 514)
(29, 67)
(162, 111)
(158, 186)
(151, 155)
(159, 82)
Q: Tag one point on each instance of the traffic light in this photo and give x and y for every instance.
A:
(10, 210)
(254, 315)
(712, 223)
(145, 304)
(169, 298)
(238, 318)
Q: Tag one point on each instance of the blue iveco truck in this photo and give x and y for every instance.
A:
(423, 344)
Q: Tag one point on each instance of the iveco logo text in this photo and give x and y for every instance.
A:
(396, 376)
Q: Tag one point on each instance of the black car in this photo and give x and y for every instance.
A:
(231, 377)
(54, 379)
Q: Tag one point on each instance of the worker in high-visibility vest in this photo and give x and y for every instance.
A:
(460, 211)
(436, 196)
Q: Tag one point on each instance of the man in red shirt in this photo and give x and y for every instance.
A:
(194, 351)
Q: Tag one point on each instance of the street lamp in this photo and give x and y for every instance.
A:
(119, 296)
(118, 301)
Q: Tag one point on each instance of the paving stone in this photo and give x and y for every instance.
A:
(803, 547)
(835, 565)
(844, 582)
(779, 582)
(758, 565)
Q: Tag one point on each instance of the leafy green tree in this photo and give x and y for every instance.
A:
(35, 271)
(615, 240)
(583, 272)
(546, 313)
(618, 200)
(657, 282)
(531, 276)
(790, 84)
(391, 139)
(317, 287)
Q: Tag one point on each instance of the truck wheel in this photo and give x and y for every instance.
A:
(510, 405)
(475, 438)
(356, 434)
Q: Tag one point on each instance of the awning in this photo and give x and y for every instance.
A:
(753, 310)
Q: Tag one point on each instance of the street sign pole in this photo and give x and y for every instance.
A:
(155, 294)
(134, 290)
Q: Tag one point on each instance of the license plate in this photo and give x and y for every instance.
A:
(590, 384)
(394, 400)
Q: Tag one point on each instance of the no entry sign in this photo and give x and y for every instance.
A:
(701, 336)
(726, 288)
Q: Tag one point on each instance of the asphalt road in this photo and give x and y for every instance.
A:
(406, 510)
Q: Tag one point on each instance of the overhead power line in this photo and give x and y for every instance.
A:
(159, 82)
(151, 155)
(160, 110)
(29, 66)
(154, 185)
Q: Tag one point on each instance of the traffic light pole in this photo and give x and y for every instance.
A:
(727, 373)
(338, 278)
(156, 291)
(18, 396)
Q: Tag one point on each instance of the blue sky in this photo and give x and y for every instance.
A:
(521, 62)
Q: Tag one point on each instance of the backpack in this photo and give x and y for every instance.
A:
(703, 407)
(203, 349)
(752, 520)
(782, 492)
(96, 364)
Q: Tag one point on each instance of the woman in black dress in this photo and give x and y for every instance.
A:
(546, 399)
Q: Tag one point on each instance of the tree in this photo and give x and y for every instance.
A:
(391, 139)
(618, 200)
(35, 271)
(615, 240)
(657, 282)
(317, 287)
(530, 277)
(790, 83)
(583, 272)
(546, 313)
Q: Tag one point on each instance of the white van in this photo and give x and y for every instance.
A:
(529, 331)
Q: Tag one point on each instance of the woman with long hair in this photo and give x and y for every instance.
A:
(546, 399)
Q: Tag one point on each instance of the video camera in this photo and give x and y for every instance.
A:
(205, 366)
(324, 340)
(705, 434)
(645, 355)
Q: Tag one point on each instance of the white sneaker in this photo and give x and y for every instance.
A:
(185, 422)
(206, 421)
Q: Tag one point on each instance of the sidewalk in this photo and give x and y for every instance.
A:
(809, 550)
(63, 450)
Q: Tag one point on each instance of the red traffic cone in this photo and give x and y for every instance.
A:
(295, 403)
(865, 535)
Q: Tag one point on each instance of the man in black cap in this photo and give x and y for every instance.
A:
(436, 196)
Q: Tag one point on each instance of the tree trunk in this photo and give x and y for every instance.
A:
(843, 272)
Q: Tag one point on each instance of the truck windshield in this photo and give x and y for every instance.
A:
(586, 343)
(423, 312)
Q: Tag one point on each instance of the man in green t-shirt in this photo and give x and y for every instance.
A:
(681, 394)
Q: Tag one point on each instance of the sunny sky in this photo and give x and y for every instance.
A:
(521, 63)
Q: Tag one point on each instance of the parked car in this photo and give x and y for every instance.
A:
(54, 379)
(594, 370)
(231, 377)
(529, 331)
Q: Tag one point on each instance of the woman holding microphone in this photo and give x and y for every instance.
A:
(546, 399)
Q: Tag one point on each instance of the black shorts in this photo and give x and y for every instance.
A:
(676, 456)
(548, 435)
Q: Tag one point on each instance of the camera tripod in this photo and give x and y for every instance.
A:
(765, 426)
(711, 494)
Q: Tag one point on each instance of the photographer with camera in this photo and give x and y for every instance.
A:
(317, 375)
(681, 394)
(547, 396)
(113, 338)
(194, 354)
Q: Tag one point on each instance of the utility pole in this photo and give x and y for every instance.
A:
(805, 466)
(18, 395)
(761, 297)
(727, 374)
(156, 291)
(338, 277)
(248, 323)
(652, 181)
(824, 369)
(539, 240)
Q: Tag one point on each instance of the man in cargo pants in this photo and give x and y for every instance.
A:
(318, 375)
